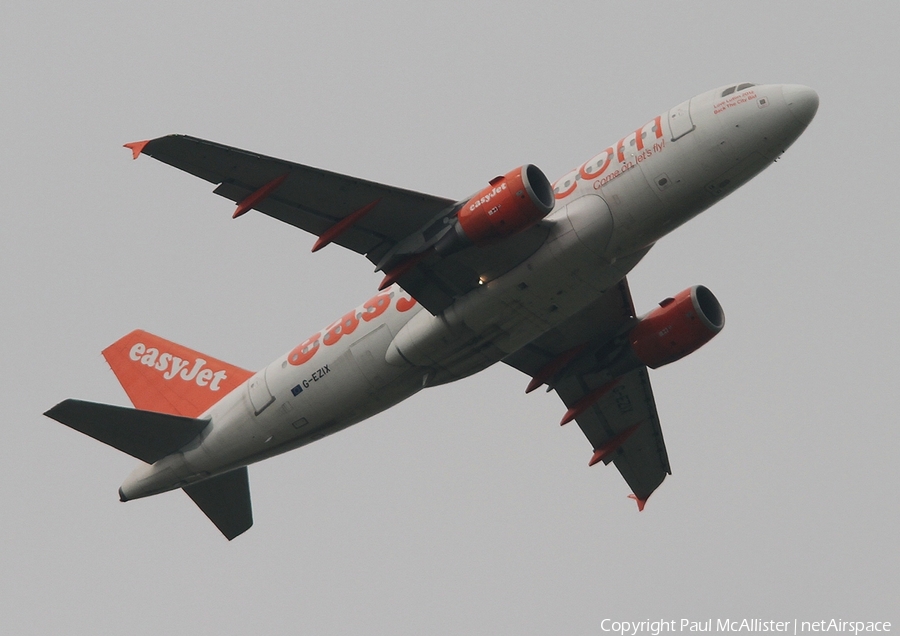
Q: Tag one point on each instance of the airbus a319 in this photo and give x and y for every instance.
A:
(524, 272)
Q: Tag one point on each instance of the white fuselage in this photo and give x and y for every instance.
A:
(609, 212)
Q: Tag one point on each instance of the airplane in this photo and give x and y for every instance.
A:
(524, 272)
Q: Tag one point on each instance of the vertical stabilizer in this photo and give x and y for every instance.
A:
(159, 375)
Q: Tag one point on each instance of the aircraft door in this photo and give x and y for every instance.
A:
(680, 122)
(260, 396)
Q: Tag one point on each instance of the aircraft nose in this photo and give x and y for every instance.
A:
(802, 101)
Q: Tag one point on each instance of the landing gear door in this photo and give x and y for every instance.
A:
(680, 122)
(260, 397)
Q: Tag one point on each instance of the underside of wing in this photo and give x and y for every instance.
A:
(616, 412)
(623, 428)
(594, 326)
(395, 229)
(436, 281)
(308, 198)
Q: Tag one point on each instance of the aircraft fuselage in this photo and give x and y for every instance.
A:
(608, 213)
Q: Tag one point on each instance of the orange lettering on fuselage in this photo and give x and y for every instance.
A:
(348, 323)
(376, 306)
(304, 351)
(595, 167)
(405, 304)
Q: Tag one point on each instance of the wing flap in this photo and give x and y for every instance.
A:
(146, 435)
(225, 499)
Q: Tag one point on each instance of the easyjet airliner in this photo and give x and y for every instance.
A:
(523, 272)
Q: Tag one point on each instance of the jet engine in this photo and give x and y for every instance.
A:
(679, 326)
(511, 203)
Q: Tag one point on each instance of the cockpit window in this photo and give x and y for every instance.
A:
(740, 87)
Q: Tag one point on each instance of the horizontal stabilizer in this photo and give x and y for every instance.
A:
(226, 501)
(147, 435)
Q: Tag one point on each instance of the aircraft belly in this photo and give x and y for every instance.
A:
(234, 433)
(368, 352)
(343, 384)
(505, 314)
(146, 480)
(340, 386)
(630, 198)
(591, 221)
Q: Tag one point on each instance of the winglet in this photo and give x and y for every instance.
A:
(640, 502)
(137, 147)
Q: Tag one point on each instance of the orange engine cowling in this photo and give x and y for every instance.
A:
(679, 326)
(510, 204)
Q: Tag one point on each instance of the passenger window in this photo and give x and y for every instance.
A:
(728, 91)
(743, 86)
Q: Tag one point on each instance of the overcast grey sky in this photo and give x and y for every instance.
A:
(466, 510)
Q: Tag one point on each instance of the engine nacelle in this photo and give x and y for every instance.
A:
(510, 204)
(679, 326)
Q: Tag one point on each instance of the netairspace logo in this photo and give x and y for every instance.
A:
(746, 625)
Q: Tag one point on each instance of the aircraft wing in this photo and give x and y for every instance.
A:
(384, 223)
(642, 458)
(309, 198)
(627, 412)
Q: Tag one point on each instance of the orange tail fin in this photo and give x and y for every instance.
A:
(165, 377)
